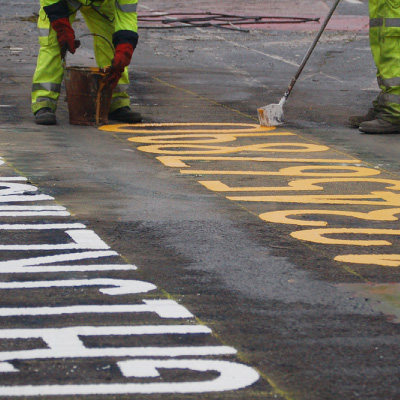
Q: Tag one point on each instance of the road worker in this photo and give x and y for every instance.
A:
(384, 32)
(116, 20)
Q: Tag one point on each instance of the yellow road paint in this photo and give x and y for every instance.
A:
(178, 144)
(318, 236)
(201, 138)
(296, 171)
(126, 128)
(177, 161)
(204, 149)
(298, 185)
(382, 199)
(386, 260)
(282, 217)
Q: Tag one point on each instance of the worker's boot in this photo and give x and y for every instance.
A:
(356, 120)
(125, 114)
(379, 126)
(45, 116)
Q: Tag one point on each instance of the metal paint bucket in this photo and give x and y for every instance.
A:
(88, 95)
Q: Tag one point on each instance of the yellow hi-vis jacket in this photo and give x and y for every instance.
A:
(122, 13)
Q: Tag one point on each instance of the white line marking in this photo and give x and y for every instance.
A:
(121, 286)
(83, 239)
(32, 208)
(163, 308)
(72, 268)
(122, 330)
(33, 211)
(12, 178)
(232, 376)
(34, 227)
(34, 197)
(23, 264)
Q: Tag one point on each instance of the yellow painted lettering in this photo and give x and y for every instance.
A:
(183, 128)
(298, 171)
(178, 161)
(204, 149)
(373, 199)
(203, 138)
(318, 236)
(298, 185)
(282, 217)
(384, 260)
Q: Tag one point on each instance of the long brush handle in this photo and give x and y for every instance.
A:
(310, 50)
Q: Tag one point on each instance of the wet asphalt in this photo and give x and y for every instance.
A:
(311, 326)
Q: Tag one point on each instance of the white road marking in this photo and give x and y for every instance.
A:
(26, 264)
(39, 227)
(122, 286)
(66, 343)
(83, 239)
(163, 308)
(232, 376)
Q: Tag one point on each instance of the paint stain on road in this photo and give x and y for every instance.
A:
(384, 298)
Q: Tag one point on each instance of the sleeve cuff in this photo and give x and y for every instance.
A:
(57, 11)
(123, 36)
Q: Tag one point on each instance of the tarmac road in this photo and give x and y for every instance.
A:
(198, 255)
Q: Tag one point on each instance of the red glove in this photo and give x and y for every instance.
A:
(65, 34)
(122, 58)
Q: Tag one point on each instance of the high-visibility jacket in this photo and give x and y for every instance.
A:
(116, 20)
(121, 12)
(384, 35)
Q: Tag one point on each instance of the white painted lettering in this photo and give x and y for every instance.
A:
(163, 308)
(15, 188)
(35, 264)
(83, 239)
(232, 376)
(67, 343)
(20, 198)
(12, 178)
(122, 286)
(32, 211)
(39, 227)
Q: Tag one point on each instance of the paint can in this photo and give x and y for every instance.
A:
(88, 95)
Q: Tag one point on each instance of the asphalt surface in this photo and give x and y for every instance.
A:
(277, 249)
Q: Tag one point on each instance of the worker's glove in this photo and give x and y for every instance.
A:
(122, 58)
(65, 34)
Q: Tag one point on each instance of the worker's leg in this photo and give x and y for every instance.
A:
(385, 46)
(48, 75)
(49, 72)
(375, 30)
(104, 53)
(374, 34)
(388, 61)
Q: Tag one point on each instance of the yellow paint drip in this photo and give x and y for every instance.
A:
(102, 84)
